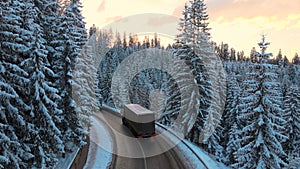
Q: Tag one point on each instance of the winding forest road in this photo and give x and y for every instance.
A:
(149, 153)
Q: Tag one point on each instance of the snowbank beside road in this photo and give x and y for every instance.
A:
(98, 158)
(67, 161)
(209, 161)
(112, 110)
(190, 158)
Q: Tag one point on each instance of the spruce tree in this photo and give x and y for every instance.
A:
(292, 116)
(26, 71)
(184, 51)
(296, 59)
(37, 54)
(84, 85)
(261, 118)
(15, 121)
(198, 16)
(229, 120)
(41, 94)
(72, 37)
(194, 48)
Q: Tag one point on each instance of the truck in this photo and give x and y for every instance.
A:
(139, 120)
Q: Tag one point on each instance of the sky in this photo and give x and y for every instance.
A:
(240, 23)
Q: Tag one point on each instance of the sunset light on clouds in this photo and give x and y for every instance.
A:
(240, 23)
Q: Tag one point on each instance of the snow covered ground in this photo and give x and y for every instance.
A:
(191, 158)
(67, 161)
(115, 110)
(210, 162)
(98, 158)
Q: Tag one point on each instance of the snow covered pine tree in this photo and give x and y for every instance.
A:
(261, 117)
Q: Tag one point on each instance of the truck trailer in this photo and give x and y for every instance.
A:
(139, 120)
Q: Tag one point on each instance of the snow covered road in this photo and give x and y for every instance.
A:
(109, 149)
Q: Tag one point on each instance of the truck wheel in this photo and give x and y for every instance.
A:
(124, 121)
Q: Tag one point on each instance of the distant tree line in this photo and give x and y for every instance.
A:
(230, 54)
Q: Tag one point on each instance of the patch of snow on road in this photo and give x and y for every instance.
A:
(98, 158)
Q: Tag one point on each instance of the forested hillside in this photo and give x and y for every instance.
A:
(259, 127)
(265, 90)
(39, 43)
(247, 106)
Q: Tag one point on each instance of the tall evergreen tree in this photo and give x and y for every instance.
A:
(253, 55)
(199, 17)
(34, 94)
(194, 48)
(223, 52)
(35, 52)
(279, 58)
(41, 95)
(261, 116)
(292, 116)
(84, 85)
(14, 129)
(72, 37)
(296, 59)
(229, 120)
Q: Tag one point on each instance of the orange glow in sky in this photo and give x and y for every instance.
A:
(240, 23)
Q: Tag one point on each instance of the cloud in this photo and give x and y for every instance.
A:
(178, 10)
(243, 33)
(231, 9)
(264, 23)
(112, 19)
(101, 7)
(159, 21)
(215, 4)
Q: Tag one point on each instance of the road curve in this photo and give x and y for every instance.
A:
(170, 159)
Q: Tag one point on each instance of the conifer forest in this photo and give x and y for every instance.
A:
(44, 112)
